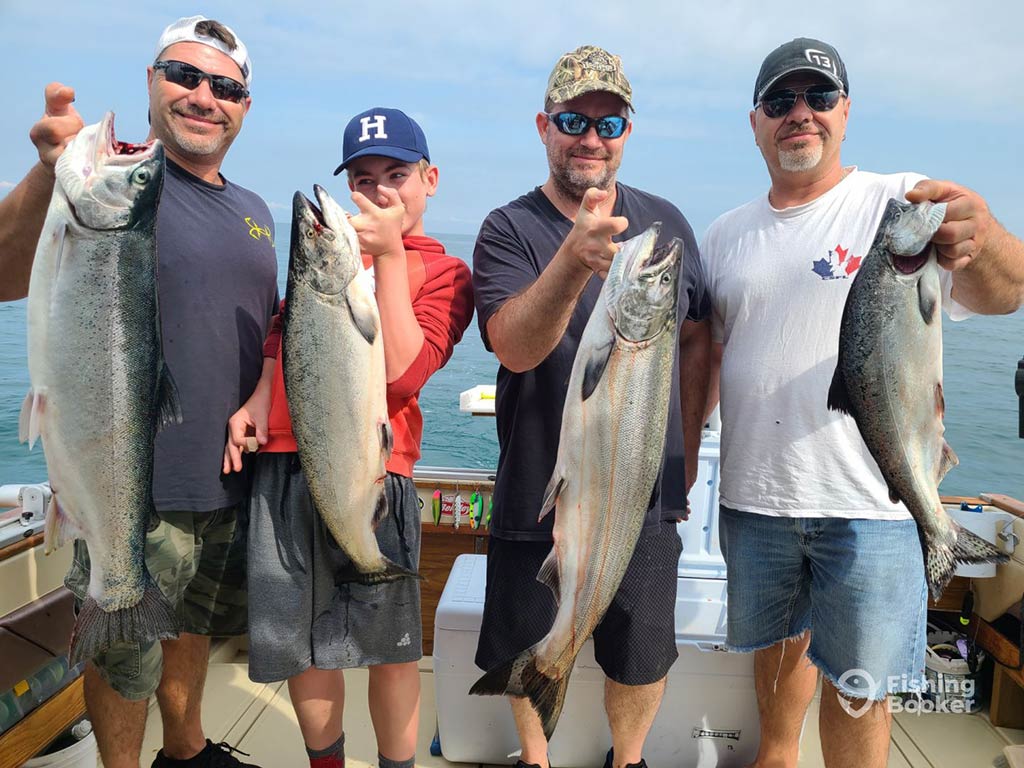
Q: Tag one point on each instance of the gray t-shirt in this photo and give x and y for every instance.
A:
(515, 244)
(217, 284)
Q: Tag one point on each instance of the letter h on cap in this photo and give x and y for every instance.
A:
(374, 123)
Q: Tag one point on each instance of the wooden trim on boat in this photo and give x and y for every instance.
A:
(42, 725)
(20, 546)
(1005, 503)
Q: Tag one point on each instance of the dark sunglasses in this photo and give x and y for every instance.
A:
(187, 76)
(820, 98)
(575, 124)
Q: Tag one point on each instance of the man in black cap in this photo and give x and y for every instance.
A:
(825, 572)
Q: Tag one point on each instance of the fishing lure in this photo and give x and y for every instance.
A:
(476, 509)
(435, 506)
(457, 511)
(490, 508)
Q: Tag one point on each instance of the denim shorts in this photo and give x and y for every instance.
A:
(858, 586)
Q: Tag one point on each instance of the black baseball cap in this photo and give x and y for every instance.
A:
(802, 54)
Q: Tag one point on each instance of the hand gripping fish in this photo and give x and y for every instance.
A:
(334, 376)
(100, 388)
(609, 455)
(889, 378)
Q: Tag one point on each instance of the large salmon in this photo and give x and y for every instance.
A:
(334, 376)
(889, 378)
(100, 388)
(610, 453)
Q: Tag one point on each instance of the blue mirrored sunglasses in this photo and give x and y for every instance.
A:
(575, 124)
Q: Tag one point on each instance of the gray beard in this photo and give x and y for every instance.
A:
(799, 160)
(572, 186)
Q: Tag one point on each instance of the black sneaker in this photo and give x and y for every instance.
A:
(212, 756)
(609, 763)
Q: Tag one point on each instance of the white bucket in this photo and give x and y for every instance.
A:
(949, 681)
(81, 754)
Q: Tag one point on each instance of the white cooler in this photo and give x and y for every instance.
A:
(708, 716)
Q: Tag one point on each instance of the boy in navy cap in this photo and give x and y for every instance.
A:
(302, 625)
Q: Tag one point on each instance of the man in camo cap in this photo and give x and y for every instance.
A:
(534, 278)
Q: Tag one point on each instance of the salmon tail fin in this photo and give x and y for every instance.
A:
(838, 396)
(519, 676)
(392, 572)
(967, 548)
(96, 630)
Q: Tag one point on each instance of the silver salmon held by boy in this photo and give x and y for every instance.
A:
(334, 376)
(610, 452)
(889, 378)
(100, 388)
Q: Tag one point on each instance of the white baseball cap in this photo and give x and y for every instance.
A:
(184, 31)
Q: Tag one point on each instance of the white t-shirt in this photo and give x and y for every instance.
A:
(778, 281)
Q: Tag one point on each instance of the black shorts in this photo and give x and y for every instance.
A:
(635, 642)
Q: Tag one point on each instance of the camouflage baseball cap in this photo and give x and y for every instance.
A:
(588, 69)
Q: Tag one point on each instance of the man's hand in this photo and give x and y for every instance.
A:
(591, 236)
(965, 230)
(379, 227)
(249, 420)
(58, 125)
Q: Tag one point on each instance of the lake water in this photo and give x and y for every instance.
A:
(981, 357)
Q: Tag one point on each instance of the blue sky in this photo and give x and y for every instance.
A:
(936, 87)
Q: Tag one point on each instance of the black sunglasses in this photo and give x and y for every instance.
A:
(187, 76)
(575, 124)
(820, 98)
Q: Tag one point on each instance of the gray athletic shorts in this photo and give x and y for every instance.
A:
(298, 616)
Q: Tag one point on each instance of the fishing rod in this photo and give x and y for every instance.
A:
(1019, 383)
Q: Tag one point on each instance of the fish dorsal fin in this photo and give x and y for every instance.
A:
(168, 400)
(894, 497)
(838, 396)
(555, 485)
(928, 298)
(595, 366)
(548, 573)
(947, 461)
(363, 314)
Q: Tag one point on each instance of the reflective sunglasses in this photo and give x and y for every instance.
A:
(820, 98)
(187, 76)
(575, 124)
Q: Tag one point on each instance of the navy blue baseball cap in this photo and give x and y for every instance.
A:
(385, 132)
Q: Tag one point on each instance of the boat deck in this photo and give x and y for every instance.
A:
(258, 719)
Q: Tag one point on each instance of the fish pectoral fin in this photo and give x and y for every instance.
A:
(548, 573)
(596, 363)
(928, 299)
(363, 316)
(948, 460)
(555, 485)
(168, 400)
(31, 417)
(838, 395)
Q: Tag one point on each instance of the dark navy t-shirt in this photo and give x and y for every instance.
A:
(217, 285)
(515, 244)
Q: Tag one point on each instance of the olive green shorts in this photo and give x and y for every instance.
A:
(198, 561)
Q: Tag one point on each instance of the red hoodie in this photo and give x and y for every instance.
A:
(441, 289)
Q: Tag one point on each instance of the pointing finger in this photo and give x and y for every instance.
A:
(390, 194)
(365, 204)
(592, 199)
